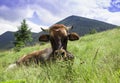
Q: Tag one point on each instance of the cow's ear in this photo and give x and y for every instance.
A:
(73, 36)
(44, 38)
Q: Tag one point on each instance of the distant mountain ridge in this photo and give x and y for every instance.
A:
(84, 25)
(81, 25)
(7, 39)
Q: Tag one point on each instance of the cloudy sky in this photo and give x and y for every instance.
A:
(47, 12)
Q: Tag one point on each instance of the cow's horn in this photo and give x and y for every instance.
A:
(69, 28)
(45, 30)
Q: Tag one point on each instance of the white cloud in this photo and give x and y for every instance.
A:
(6, 26)
(103, 3)
(15, 14)
(114, 18)
(34, 27)
(94, 9)
(45, 15)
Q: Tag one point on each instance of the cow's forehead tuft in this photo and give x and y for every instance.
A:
(57, 27)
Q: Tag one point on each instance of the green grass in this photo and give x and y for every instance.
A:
(97, 60)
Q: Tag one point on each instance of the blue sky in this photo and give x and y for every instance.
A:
(47, 12)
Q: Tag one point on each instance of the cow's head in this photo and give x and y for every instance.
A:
(58, 36)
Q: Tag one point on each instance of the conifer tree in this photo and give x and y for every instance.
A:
(22, 36)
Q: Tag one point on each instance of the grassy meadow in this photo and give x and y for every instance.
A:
(97, 60)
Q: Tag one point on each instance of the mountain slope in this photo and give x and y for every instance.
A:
(97, 60)
(7, 39)
(84, 25)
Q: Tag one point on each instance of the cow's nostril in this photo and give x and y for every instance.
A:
(63, 53)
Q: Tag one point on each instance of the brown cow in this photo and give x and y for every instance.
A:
(58, 35)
